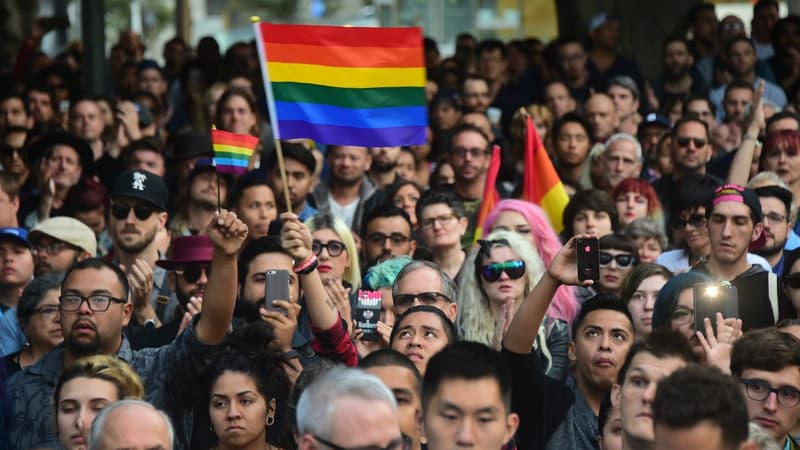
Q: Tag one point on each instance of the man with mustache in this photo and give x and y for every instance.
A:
(60, 242)
(734, 223)
(386, 234)
(206, 188)
(138, 213)
(189, 269)
(95, 307)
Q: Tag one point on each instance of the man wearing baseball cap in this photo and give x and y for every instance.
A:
(734, 224)
(16, 265)
(138, 213)
(60, 242)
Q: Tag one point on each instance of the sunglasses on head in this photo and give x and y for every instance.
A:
(514, 269)
(141, 211)
(792, 281)
(683, 141)
(623, 259)
(695, 220)
(193, 273)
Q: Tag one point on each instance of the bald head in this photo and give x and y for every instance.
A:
(112, 428)
(602, 114)
(479, 120)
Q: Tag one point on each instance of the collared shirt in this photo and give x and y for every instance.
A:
(168, 373)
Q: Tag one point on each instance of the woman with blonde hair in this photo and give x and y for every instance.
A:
(498, 274)
(86, 387)
(335, 249)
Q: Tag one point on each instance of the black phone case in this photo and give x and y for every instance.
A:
(588, 259)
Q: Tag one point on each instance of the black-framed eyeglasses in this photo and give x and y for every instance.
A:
(514, 269)
(142, 211)
(681, 315)
(401, 443)
(695, 220)
(426, 298)
(760, 390)
(623, 259)
(683, 141)
(376, 238)
(431, 221)
(334, 248)
(192, 273)
(97, 303)
(52, 247)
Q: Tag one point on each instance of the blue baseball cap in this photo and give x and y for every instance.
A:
(19, 234)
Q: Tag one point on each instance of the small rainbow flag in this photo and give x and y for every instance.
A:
(490, 194)
(344, 85)
(232, 151)
(541, 184)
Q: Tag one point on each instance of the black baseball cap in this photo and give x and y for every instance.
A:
(142, 185)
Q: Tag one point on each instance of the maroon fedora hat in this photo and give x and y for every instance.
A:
(188, 250)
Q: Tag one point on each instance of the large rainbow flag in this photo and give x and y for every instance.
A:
(232, 151)
(540, 183)
(344, 85)
(490, 194)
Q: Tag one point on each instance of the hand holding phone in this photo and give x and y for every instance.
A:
(713, 298)
(588, 255)
(276, 287)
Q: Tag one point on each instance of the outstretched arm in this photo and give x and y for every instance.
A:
(525, 325)
(296, 240)
(739, 173)
(228, 234)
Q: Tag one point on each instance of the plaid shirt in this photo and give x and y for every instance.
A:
(169, 375)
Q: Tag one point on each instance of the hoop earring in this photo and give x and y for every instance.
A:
(270, 420)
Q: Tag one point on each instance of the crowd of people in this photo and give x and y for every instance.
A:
(135, 279)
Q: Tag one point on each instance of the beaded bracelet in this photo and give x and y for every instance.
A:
(307, 267)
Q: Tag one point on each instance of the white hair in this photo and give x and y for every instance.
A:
(99, 423)
(316, 409)
(474, 318)
(625, 137)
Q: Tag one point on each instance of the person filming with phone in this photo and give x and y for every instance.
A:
(279, 283)
(734, 224)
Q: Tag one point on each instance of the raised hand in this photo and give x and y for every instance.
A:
(227, 232)
(340, 298)
(140, 278)
(718, 347)
(295, 237)
(564, 266)
(193, 308)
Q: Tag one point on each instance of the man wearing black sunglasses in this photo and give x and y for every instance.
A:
(189, 269)
(691, 152)
(138, 212)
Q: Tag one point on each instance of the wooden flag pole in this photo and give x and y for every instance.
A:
(271, 106)
(214, 162)
(282, 169)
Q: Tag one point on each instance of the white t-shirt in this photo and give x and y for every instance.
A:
(677, 261)
(344, 212)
